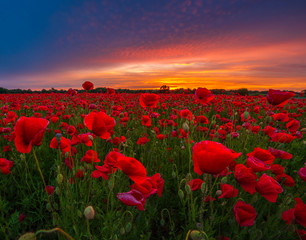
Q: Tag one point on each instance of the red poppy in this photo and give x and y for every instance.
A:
(142, 140)
(279, 98)
(148, 100)
(195, 184)
(279, 153)
(302, 173)
(90, 156)
(268, 187)
(151, 185)
(29, 131)
(246, 178)
(228, 191)
(5, 165)
(132, 167)
(282, 138)
(293, 126)
(262, 155)
(132, 198)
(298, 213)
(49, 190)
(88, 85)
(100, 124)
(212, 157)
(146, 121)
(245, 214)
(111, 91)
(64, 144)
(203, 95)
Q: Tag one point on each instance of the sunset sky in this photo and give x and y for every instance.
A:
(143, 44)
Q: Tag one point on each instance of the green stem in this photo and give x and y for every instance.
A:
(54, 230)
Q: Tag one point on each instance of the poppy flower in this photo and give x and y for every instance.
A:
(110, 91)
(262, 155)
(212, 157)
(279, 153)
(5, 165)
(88, 85)
(132, 198)
(246, 178)
(132, 167)
(298, 213)
(302, 173)
(245, 214)
(64, 144)
(149, 100)
(49, 190)
(293, 126)
(100, 124)
(90, 156)
(228, 191)
(203, 95)
(279, 98)
(146, 121)
(195, 184)
(142, 140)
(151, 185)
(268, 187)
(29, 131)
(282, 138)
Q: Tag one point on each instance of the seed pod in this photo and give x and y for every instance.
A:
(59, 178)
(185, 127)
(224, 180)
(122, 230)
(196, 235)
(58, 138)
(246, 115)
(187, 189)
(162, 222)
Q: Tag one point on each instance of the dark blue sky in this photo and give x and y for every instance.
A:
(143, 44)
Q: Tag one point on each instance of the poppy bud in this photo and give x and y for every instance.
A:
(57, 190)
(187, 189)
(181, 194)
(28, 236)
(203, 187)
(185, 127)
(224, 180)
(162, 222)
(58, 138)
(48, 206)
(122, 231)
(128, 227)
(90, 137)
(173, 174)
(89, 213)
(246, 115)
(66, 154)
(196, 235)
(218, 192)
(269, 119)
(110, 184)
(79, 213)
(59, 178)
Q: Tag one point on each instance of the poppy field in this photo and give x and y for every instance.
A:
(152, 165)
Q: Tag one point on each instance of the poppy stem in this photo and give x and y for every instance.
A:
(54, 230)
(42, 177)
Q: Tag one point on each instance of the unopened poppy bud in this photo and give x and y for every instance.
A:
(162, 222)
(196, 235)
(261, 123)
(90, 137)
(110, 184)
(66, 154)
(59, 178)
(48, 206)
(28, 236)
(121, 115)
(128, 227)
(122, 230)
(181, 194)
(246, 115)
(58, 138)
(213, 122)
(22, 156)
(57, 191)
(269, 119)
(247, 131)
(89, 213)
(187, 189)
(173, 174)
(218, 192)
(203, 187)
(224, 180)
(79, 214)
(185, 127)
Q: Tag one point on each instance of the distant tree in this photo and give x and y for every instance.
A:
(164, 89)
(243, 91)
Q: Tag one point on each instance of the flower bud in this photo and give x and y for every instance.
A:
(196, 235)
(224, 180)
(187, 189)
(218, 193)
(89, 213)
(203, 187)
(181, 194)
(58, 138)
(90, 137)
(59, 178)
(110, 184)
(128, 227)
(28, 236)
(162, 222)
(122, 230)
(246, 115)
(185, 127)
(173, 174)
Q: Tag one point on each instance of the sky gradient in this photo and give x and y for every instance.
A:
(228, 44)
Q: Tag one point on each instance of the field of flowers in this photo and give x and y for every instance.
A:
(152, 166)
